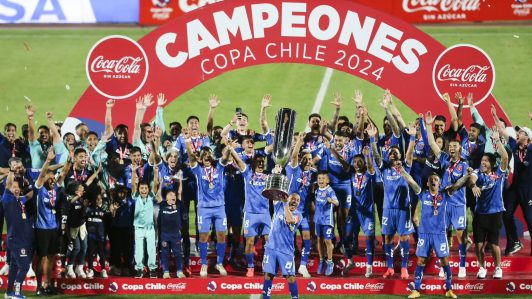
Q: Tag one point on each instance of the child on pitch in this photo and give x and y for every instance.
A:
(170, 231)
(143, 221)
(323, 217)
(430, 214)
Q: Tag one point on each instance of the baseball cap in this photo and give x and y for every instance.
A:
(527, 131)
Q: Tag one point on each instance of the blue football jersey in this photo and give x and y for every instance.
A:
(490, 200)
(211, 185)
(396, 189)
(282, 234)
(453, 171)
(433, 213)
(300, 182)
(254, 184)
(362, 185)
(324, 209)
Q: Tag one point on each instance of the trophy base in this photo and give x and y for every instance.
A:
(275, 194)
(276, 187)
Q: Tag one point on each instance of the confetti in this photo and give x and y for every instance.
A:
(489, 5)
(25, 68)
(516, 36)
(27, 99)
(7, 108)
(27, 46)
(67, 87)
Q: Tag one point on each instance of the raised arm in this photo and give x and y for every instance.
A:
(374, 152)
(500, 149)
(108, 116)
(94, 175)
(236, 157)
(134, 179)
(362, 116)
(294, 159)
(155, 185)
(410, 180)
(337, 102)
(324, 131)
(65, 171)
(49, 158)
(288, 216)
(265, 103)
(385, 103)
(56, 137)
(141, 105)
(30, 112)
(192, 159)
(452, 112)
(159, 114)
(459, 118)
(369, 159)
(411, 130)
(499, 124)
(213, 103)
(430, 136)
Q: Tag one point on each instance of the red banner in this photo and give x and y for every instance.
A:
(157, 12)
(445, 11)
(339, 34)
(241, 285)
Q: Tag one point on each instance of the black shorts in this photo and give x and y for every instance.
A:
(486, 227)
(47, 241)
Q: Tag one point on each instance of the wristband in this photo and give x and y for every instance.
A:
(372, 139)
(412, 138)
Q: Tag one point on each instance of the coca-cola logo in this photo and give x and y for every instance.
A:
(479, 286)
(466, 69)
(411, 6)
(117, 67)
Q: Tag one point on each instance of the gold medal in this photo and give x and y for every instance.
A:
(358, 192)
(435, 212)
(211, 185)
(24, 216)
(53, 211)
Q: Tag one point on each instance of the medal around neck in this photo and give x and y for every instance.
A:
(277, 184)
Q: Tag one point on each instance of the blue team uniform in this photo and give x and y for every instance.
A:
(300, 182)
(490, 200)
(314, 144)
(362, 213)
(396, 211)
(432, 227)
(210, 194)
(472, 152)
(256, 208)
(279, 250)
(340, 180)
(19, 238)
(170, 234)
(123, 151)
(46, 205)
(456, 205)
(323, 217)
(196, 142)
